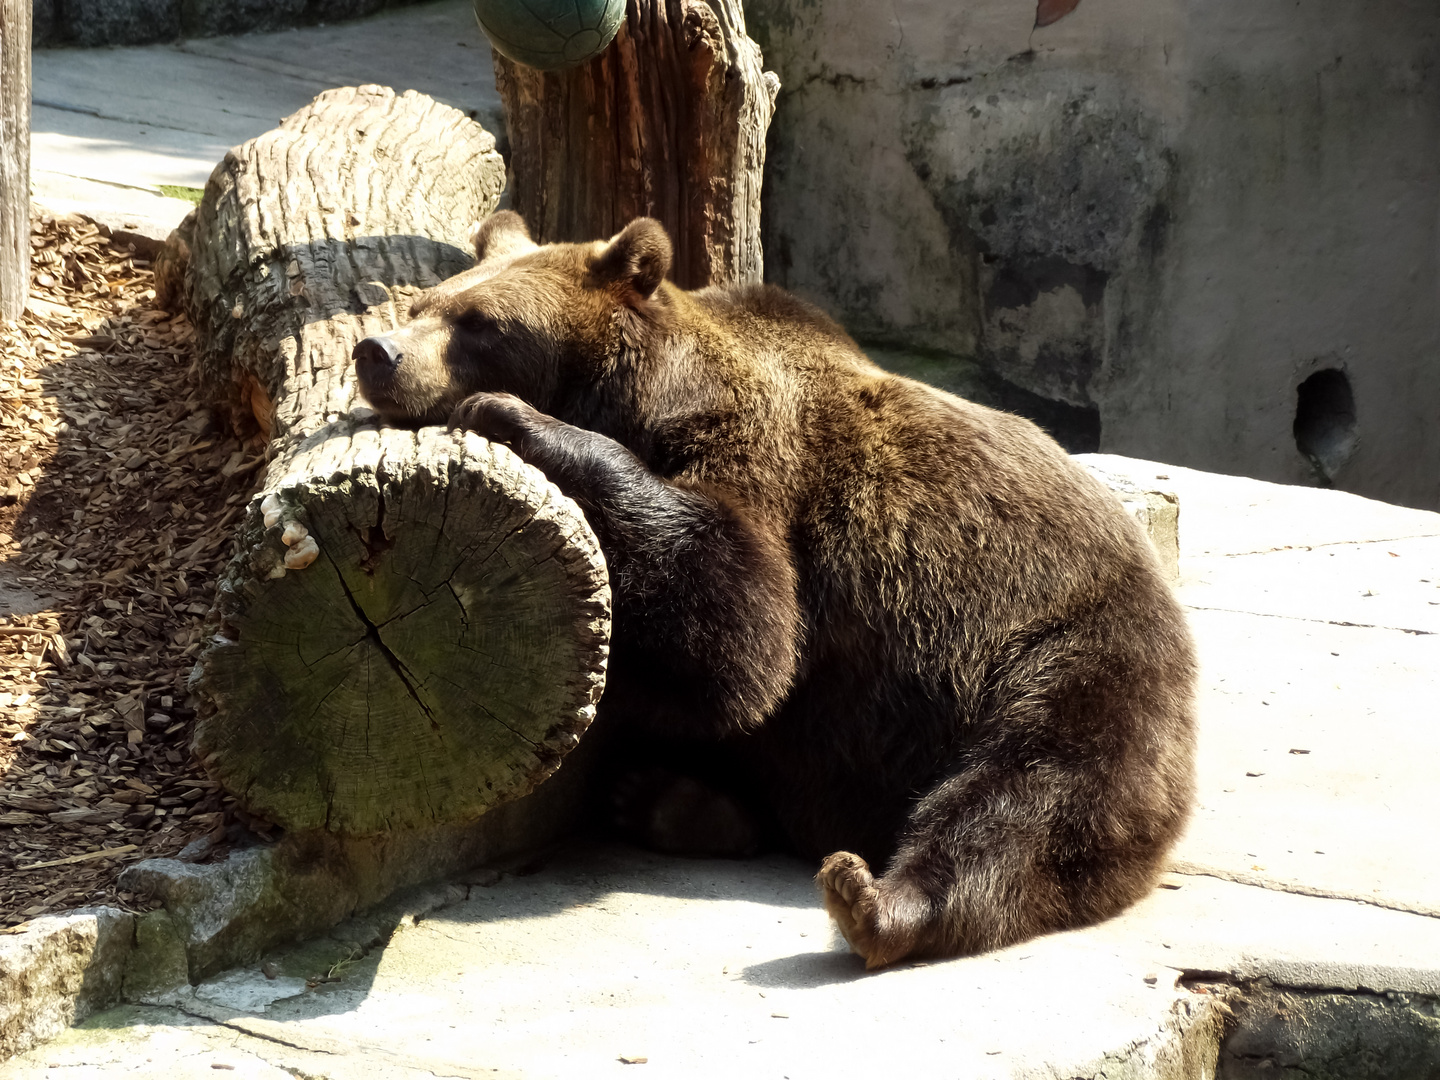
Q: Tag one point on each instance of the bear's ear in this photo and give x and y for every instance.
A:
(638, 256)
(502, 234)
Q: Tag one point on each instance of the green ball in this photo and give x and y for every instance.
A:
(550, 34)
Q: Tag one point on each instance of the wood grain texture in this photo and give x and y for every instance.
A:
(439, 658)
(362, 185)
(15, 18)
(446, 645)
(669, 123)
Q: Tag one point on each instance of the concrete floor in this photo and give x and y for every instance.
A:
(109, 126)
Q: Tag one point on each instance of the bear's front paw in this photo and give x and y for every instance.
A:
(501, 418)
(852, 900)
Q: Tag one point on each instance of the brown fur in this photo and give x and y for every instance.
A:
(941, 646)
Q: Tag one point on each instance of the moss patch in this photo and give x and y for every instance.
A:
(188, 194)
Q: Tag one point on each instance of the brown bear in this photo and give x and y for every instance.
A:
(940, 645)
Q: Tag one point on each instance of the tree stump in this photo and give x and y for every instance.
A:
(669, 123)
(14, 156)
(415, 625)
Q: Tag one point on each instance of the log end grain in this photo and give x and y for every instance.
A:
(438, 655)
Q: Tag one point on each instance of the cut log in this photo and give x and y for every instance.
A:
(415, 626)
(669, 123)
(14, 156)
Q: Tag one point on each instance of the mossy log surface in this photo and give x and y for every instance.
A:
(415, 625)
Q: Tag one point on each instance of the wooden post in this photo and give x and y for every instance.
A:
(14, 156)
(669, 122)
(415, 625)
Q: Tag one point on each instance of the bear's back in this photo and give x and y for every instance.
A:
(943, 549)
(889, 474)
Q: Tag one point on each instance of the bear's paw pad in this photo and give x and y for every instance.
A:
(852, 900)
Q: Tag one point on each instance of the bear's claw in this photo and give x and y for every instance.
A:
(501, 418)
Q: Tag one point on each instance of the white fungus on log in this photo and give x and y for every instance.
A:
(302, 554)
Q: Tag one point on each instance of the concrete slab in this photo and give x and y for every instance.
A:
(1318, 740)
(702, 969)
(1354, 813)
(1392, 584)
(136, 118)
(1235, 515)
(119, 207)
(719, 968)
(1201, 924)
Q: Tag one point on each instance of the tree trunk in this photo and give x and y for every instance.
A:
(669, 122)
(415, 625)
(14, 156)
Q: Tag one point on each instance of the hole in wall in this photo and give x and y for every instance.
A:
(1325, 424)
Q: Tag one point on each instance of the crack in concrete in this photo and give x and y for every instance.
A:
(1315, 547)
(85, 110)
(1304, 618)
(1261, 881)
(268, 1031)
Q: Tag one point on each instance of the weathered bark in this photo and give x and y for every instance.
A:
(415, 625)
(14, 156)
(669, 122)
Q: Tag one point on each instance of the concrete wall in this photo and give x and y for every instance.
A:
(1159, 216)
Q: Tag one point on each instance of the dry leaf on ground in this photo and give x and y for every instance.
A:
(114, 521)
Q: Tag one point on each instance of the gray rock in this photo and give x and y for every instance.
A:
(1284, 1035)
(232, 912)
(58, 970)
(1156, 511)
(120, 22)
(136, 22)
(42, 25)
(157, 966)
(335, 10)
(208, 18)
(196, 850)
(248, 990)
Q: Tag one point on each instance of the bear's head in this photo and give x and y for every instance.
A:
(532, 320)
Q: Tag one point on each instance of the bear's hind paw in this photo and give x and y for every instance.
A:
(852, 900)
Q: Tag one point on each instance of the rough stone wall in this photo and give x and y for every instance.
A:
(1162, 216)
(138, 22)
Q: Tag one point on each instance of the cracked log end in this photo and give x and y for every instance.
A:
(438, 656)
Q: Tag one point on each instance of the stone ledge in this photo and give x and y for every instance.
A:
(1156, 509)
(57, 970)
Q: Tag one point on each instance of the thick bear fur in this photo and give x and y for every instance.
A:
(941, 646)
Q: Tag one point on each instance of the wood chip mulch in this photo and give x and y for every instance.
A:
(118, 498)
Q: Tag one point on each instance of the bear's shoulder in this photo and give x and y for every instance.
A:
(739, 307)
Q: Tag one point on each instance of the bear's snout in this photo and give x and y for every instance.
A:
(376, 359)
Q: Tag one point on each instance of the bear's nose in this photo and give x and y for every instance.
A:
(376, 357)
